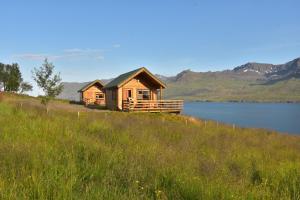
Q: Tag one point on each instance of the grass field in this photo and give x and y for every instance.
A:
(114, 155)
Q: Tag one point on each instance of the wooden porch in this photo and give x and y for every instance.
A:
(171, 106)
(89, 101)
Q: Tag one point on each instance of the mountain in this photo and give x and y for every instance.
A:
(70, 90)
(272, 72)
(249, 82)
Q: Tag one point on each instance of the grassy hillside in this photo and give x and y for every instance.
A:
(113, 155)
(226, 87)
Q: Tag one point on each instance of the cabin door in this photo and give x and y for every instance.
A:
(127, 93)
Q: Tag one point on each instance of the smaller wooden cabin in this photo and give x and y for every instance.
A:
(93, 93)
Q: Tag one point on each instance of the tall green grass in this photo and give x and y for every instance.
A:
(117, 155)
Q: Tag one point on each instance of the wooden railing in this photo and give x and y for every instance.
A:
(87, 101)
(153, 105)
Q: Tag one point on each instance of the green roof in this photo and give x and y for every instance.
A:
(117, 82)
(90, 84)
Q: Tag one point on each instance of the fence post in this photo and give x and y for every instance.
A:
(78, 114)
(205, 124)
(233, 126)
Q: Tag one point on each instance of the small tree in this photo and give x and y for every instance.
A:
(49, 82)
(25, 87)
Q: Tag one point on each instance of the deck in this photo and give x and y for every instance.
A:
(171, 106)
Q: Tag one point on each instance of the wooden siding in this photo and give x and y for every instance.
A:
(134, 85)
(111, 98)
(89, 95)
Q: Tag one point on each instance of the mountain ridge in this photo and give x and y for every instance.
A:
(247, 82)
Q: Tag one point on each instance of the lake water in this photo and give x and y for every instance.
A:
(281, 117)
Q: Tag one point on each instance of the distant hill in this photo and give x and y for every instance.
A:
(248, 82)
(273, 72)
(70, 90)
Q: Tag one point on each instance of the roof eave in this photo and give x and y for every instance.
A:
(105, 88)
(155, 78)
(142, 69)
(138, 72)
(90, 84)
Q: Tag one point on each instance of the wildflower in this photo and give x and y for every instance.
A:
(158, 193)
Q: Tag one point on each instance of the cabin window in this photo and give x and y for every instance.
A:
(143, 94)
(99, 96)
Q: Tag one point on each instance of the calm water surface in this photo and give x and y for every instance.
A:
(282, 117)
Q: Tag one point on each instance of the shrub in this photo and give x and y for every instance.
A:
(256, 178)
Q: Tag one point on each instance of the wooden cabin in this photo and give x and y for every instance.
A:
(139, 90)
(93, 93)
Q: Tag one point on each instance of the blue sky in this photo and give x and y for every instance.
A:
(89, 39)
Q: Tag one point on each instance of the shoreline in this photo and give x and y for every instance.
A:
(241, 101)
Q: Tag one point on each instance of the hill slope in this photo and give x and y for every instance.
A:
(249, 82)
(70, 90)
(118, 155)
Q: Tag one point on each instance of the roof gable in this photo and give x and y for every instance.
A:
(124, 78)
(90, 84)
